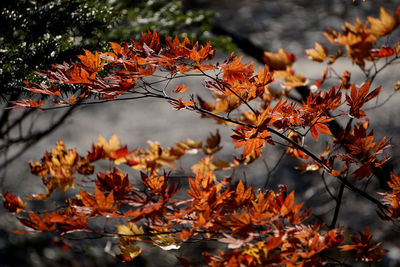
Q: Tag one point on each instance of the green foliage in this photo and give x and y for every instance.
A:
(41, 32)
(169, 18)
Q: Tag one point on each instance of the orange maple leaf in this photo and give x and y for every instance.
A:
(180, 89)
(234, 70)
(364, 249)
(357, 99)
(251, 139)
(178, 105)
(38, 223)
(26, 103)
(92, 62)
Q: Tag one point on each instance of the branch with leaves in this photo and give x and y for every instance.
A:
(259, 226)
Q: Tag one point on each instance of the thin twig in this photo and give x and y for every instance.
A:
(338, 205)
(327, 187)
(229, 89)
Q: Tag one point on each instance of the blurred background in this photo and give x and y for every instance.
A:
(38, 33)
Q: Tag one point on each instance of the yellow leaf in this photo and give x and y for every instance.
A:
(130, 231)
(295, 80)
(307, 167)
(204, 166)
(166, 242)
(207, 165)
(384, 25)
(130, 250)
(319, 53)
(397, 86)
(109, 146)
(278, 61)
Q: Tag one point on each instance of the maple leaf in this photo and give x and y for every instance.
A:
(364, 171)
(208, 200)
(385, 51)
(180, 89)
(57, 168)
(118, 49)
(280, 60)
(234, 70)
(394, 183)
(308, 167)
(259, 84)
(102, 204)
(114, 181)
(364, 249)
(154, 182)
(292, 80)
(149, 210)
(242, 195)
(345, 80)
(207, 164)
(26, 103)
(384, 25)
(42, 88)
(38, 223)
(320, 126)
(178, 105)
(120, 155)
(130, 232)
(165, 241)
(79, 75)
(129, 252)
(149, 41)
(212, 145)
(357, 99)
(108, 146)
(68, 222)
(201, 53)
(319, 53)
(251, 139)
(391, 200)
(185, 235)
(178, 48)
(92, 62)
(357, 38)
(397, 86)
(13, 203)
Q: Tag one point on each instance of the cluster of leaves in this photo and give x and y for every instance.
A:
(260, 227)
(361, 39)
